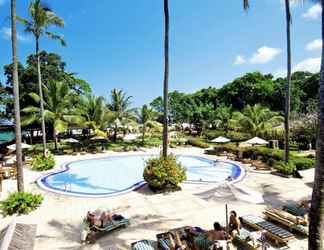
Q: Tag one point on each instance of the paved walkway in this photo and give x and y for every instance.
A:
(59, 217)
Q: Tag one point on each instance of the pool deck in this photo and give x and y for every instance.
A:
(59, 217)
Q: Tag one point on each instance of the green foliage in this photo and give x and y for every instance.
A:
(164, 174)
(303, 163)
(20, 203)
(197, 143)
(285, 168)
(42, 163)
(256, 119)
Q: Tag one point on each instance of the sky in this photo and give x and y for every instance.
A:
(119, 44)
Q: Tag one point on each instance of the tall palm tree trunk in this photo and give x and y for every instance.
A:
(143, 134)
(316, 214)
(55, 138)
(20, 176)
(41, 101)
(166, 78)
(287, 87)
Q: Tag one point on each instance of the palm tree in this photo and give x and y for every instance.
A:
(119, 106)
(20, 176)
(95, 114)
(57, 108)
(287, 86)
(146, 118)
(42, 17)
(223, 117)
(316, 213)
(166, 79)
(256, 119)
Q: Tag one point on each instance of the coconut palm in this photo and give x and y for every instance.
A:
(20, 176)
(316, 214)
(121, 112)
(287, 86)
(256, 119)
(146, 118)
(95, 114)
(41, 18)
(166, 79)
(223, 117)
(57, 108)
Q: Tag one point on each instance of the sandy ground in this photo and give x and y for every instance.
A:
(58, 219)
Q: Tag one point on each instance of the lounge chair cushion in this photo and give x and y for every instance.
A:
(203, 242)
(295, 209)
(275, 230)
(143, 245)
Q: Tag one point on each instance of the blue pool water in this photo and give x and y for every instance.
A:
(115, 175)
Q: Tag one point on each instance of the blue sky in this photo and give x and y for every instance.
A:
(119, 44)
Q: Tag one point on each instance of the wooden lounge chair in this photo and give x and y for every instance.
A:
(275, 233)
(163, 238)
(294, 223)
(118, 221)
(143, 245)
(247, 239)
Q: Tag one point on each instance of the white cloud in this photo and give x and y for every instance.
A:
(264, 54)
(314, 45)
(6, 34)
(239, 60)
(313, 12)
(312, 65)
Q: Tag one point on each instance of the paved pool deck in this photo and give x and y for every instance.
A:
(58, 219)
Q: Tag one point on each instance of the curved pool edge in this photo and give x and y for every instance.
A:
(41, 181)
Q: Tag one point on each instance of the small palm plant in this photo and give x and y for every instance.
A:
(41, 18)
(146, 118)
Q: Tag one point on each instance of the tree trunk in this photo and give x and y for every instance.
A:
(20, 175)
(316, 214)
(143, 134)
(55, 138)
(115, 133)
(287, 87)
(41, 101)
(166, 78)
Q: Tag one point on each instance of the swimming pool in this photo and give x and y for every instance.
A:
(114, 175)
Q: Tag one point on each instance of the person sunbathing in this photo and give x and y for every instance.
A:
(175, 241)
(217, 234)
(234, 224)
(99, 218)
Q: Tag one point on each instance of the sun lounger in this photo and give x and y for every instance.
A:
(163, 240)
(294, 223)
(248, 239)
(275, 233)
(143, 245)
(118, 221)
(295, 209)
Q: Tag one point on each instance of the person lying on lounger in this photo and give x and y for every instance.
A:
(175, 241)
(99, 218)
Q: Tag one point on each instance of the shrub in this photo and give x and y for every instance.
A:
(164, 174)
(20, 203)
(286, 168)
(197, 143)
(42, 163)
(303, 163)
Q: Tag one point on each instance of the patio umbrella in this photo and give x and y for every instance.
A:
(130, 137)
(70, 140)
(232, 192)
(221, 139)
(256, 141)
(98, 138)
(23, 146)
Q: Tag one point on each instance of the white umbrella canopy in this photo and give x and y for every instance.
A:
(221, 139)
(130, 137)
(98, 138)
(71, 140)
(256, 141)
(23, 146)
